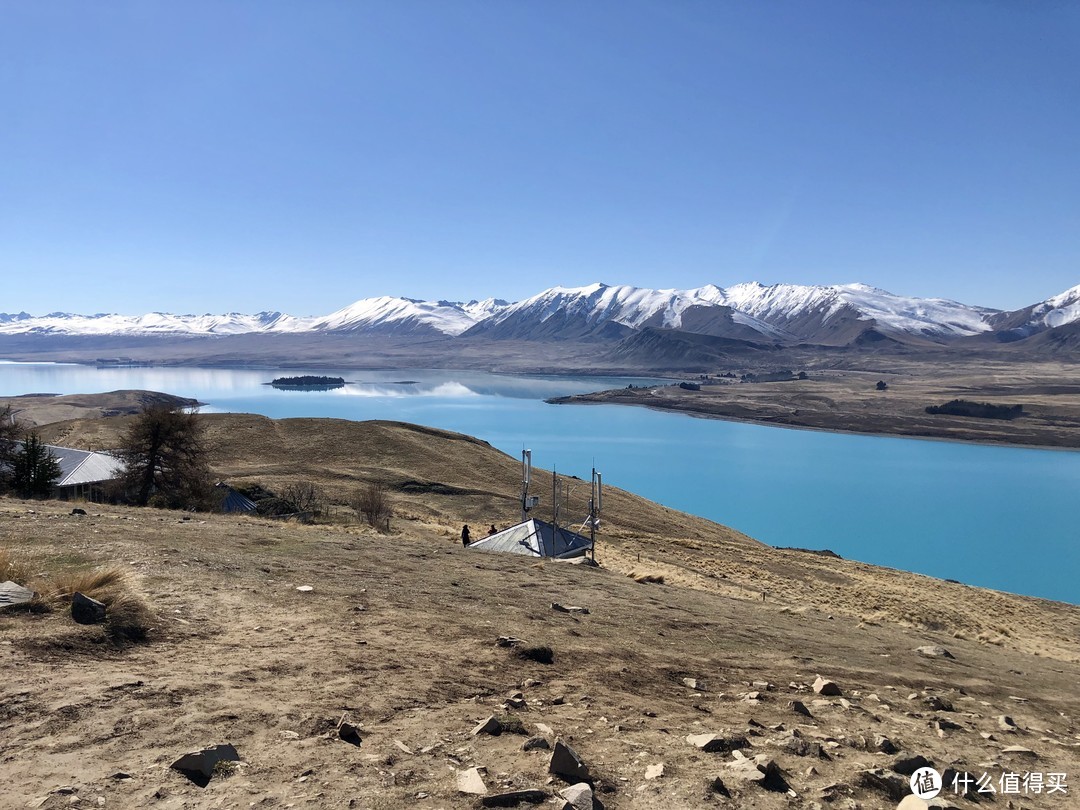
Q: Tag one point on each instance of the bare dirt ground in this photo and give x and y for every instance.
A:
(841, 399)
(399, 635)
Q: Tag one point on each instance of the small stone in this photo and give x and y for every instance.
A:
(717, 786)
(349, 733)
(490, 726)
(584, 611)
(799, 707)
(934, 651)
(1006, 723)
(716, 743)
(78, 511)
(565, 762)
(579, 796)
(884, 744)
(826, 687)
(937, 703)
(514, 798)
(1019, 750)
(693, 683)
(403, 747)
(304, 588)
(470, 781)
(85, 610)
(198, 766)
(908, 765)
(543, 728)
(654, 771)
(534, 743)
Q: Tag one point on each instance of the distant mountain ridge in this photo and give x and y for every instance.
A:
(778, 314)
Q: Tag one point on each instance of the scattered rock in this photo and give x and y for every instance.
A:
(349, 733)
(304, 588)
(13, 594)
(569, 609)
(717, 786)
(85, 610)
(760, 771)
(120, 776)
(799, 707)
(543, 728)
(890, 785)
(534, 743)
(1019, 750)
(566, 763)
(937, 703)
(934, 651)
(654, 771)
(1006, 723)
(78, 511)
(508, 641)
(470, 781)
(515, 703)
(717, 743)
(884, 744)
(403, 747)
(541, 654)
(909, 764)
(198, 766)
(490, 726)
(826, 687)
(514, 798)
(694, 683)
(579, 796)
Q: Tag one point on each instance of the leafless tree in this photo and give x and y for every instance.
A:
(372, 503)
(305, 497)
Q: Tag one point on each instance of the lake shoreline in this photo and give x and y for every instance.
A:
(886, 423)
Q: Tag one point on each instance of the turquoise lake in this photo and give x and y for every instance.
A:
(998, 517)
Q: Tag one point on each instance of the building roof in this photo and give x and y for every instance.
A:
(84, 466)
(235, 501)
(535, 538)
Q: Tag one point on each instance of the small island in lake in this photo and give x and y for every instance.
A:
(308, 383)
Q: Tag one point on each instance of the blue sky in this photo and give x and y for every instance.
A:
(243, 156)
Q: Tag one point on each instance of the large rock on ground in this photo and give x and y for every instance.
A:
(14, 594)
(85, 610)
(934, 651)
(198, 766)
(566, 763)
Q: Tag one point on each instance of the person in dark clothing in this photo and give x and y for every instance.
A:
(492, 530)
(465, 535)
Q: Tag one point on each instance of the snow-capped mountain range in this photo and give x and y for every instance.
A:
(778, 313)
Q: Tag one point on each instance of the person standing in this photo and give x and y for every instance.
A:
(465, 536)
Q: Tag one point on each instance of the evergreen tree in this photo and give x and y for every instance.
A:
(34, 469)
(165, 460)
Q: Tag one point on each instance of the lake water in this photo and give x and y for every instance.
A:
(993, 516)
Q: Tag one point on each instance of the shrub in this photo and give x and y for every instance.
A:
(372, 503)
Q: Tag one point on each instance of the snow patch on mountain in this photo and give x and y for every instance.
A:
(782, 303)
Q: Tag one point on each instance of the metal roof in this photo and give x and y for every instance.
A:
(535, 538)
(84, 466)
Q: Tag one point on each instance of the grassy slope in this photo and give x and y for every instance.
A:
(399, 634)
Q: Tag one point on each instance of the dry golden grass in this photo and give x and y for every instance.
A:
(128, 617)
(14, 567)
